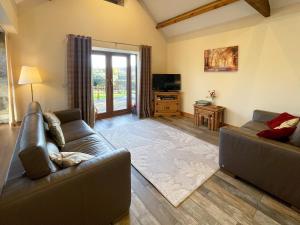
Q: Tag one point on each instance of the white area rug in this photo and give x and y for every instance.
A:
(174, 162)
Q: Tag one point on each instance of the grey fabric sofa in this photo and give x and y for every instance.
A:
(96, 192)
(270, 165)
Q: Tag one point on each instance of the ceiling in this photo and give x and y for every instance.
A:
(166, 9)
(161, 10)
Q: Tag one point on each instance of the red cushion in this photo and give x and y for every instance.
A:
(277, 121)
(277, 134)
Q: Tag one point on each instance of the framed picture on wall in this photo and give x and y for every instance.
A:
(221, 59)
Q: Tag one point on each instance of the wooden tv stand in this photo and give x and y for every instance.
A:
(167, 103)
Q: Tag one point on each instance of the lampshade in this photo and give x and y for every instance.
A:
(29, 75)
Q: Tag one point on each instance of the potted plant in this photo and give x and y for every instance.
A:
(212, 95)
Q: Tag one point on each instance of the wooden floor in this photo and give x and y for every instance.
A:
(8, 136)
(221, 200)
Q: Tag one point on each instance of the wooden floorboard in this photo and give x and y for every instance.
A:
(8, 136)
(222, 199)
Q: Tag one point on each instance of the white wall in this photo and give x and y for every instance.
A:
(41, 41)
(269, 71)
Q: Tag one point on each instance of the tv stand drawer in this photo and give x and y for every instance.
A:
(167, 103)
(161, 107)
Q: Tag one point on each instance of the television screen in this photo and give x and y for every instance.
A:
(166, 82)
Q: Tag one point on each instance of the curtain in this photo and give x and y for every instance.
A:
(79, 69)
(145, 82)
(11, 85)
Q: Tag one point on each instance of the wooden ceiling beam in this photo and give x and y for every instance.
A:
(262, 6)
(195, 12)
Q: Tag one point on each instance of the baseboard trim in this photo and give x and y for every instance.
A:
(188, 115)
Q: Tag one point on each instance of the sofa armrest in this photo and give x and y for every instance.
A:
(263, 116)
(69, 115)
(94, 192)
(270, 165)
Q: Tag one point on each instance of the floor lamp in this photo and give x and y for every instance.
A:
(29, 75)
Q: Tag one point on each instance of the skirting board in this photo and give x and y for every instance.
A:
(188, 115)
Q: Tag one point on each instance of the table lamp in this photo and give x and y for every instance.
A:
(29, 75)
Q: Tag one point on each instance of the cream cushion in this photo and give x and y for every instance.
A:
(289, 123)
(55, 129)
(51, 118)
(68, 159)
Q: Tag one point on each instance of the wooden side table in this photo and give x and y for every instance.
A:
(214, 115)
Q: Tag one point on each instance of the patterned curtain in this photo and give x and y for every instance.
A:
(79, 66)
(145, 83)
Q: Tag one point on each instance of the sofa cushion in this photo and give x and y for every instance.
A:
(55, 129)
(68, 159)
(255, 126)
(51, 118)
(277, 121)
(52, 147)
(288, 123)
(75, 130)
(295, 138)
(277, 134)
(93, 145)
(263, 116)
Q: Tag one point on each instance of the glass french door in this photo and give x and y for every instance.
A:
(4, 117)
(114, 83)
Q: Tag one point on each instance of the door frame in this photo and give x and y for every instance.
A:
(109, 84)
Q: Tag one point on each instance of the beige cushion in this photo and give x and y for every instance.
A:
(55, 129)
(51, 118)
(289, 123)
(67, 159)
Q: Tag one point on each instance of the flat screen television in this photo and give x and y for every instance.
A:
(166, 82)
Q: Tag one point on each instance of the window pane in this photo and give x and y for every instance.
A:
(133, 79)
(119, 68)
(3, 82)
(99, 82)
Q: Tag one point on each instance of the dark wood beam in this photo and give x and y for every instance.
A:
(262, 6)
(195, 12)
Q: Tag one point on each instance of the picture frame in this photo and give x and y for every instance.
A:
(221, 59)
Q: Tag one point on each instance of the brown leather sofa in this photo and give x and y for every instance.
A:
(96, 192)
(270, 165)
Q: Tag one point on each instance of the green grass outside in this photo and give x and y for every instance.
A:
(101, 96)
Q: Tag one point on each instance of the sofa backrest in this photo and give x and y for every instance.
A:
(31, 152)
(263, 116)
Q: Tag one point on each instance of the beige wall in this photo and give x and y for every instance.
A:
(41, 41)
(269, 71)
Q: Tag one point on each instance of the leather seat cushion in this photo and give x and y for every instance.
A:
(93, 145)
(75, 130)
(255, 126)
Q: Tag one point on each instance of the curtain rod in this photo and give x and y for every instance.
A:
(112, 42)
